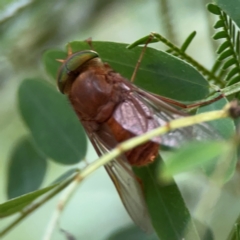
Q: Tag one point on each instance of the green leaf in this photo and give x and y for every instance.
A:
(223, 46)
(170, 216)
(50, 61)
(131, 233)
(234, 80)
(26, 170)
(223, 167)
(219, 35)
(217, 158)
(238, 42)
(214, 9)
(235, 88)
(233, 72)
(232, 31)
(53, 124)
(226, 128)
(219, 24)
(216, 66)
(159, 72)
(229, 63)
(18, 204)
(232, 8)
(226, 54)
(143, 41)
(188, 41)
(192, 156)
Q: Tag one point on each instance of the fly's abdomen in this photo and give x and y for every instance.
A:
(138, 156)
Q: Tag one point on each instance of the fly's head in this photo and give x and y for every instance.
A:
(71, 67)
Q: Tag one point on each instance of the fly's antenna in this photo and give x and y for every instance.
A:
(69, 54)
(89, 42)
(69, 49)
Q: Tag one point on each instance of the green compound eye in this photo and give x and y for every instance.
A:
(71, 64)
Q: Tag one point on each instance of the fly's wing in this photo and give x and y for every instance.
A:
(136, 116)
(165, 113)
(142, 112)
(125, 181)
(129, 189)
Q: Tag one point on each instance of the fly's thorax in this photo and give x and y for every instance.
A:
(93, 94)
(67, 76)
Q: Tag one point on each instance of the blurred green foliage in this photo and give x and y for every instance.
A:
(31, 28)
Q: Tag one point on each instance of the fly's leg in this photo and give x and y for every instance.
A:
(151, 36)
(188, 106)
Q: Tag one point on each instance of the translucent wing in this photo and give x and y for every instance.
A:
(125, 181)
(131, 193)
(136, 116)
(165, 113)
(143, 112)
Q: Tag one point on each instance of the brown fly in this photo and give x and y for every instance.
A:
(113, 110)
